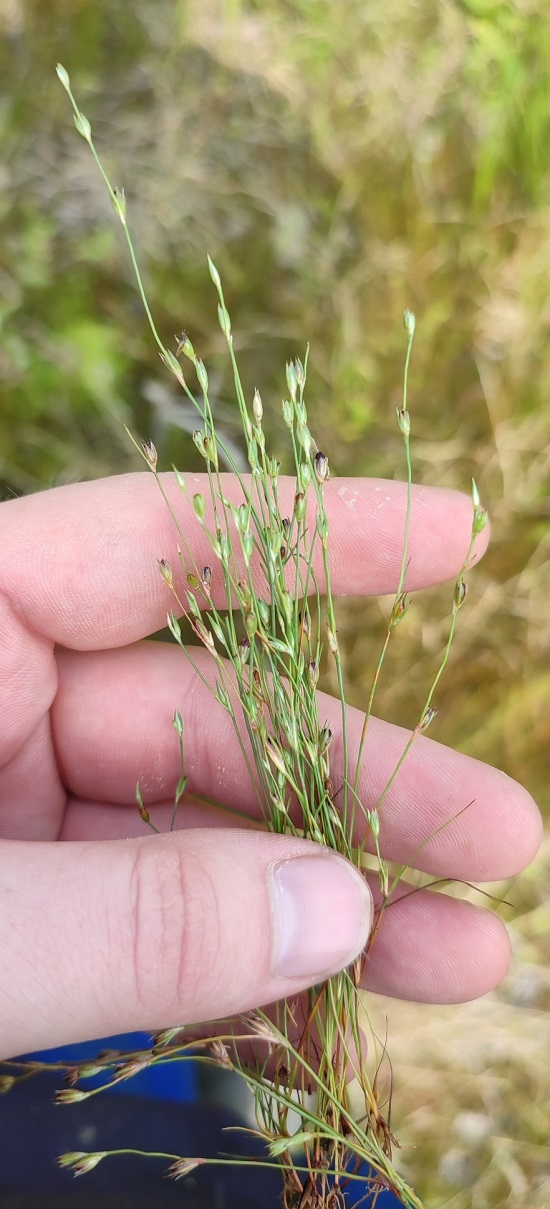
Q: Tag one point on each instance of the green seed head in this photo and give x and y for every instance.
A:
(247, 543)
(202, 375)
(199, 506)
(185, 347)
(403, 421)
(299, 505)
(292, 381)
(288, 413)
(481, 518)
(250, 623)
(409, 323)
(459, 593)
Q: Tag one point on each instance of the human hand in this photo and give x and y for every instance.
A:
(115, 928)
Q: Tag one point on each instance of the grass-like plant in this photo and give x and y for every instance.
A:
(267, 646)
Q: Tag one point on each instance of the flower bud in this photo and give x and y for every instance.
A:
(223, 696)
(325, 738)
(304, 617)
(174, 626)
(321, 524)
(199, 506)
(202, 375)
(403, 421)
(374, 823)
(305, 438)
(250, 623)
(401, 606)
(119, 202)
(332, 641)
(263, 611)
(241, 518)
(247, 543)
(299, 505)
(257, 408)
(305, 474)
(313, 672)
(275, 754)
(292, 380)
(83, 126)
(409, 323)
(224, 321)
(459, 593)
(211, 450)
(214, 273)
(480, 520)
(165, 570)
(244, 594)
(63, 75)
(288, 413)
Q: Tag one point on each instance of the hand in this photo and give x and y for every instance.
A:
(116, 929)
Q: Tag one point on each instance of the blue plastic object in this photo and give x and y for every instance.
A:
(169, 1085)
(172, 1081)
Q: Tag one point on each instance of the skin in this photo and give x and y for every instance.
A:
(106, 927)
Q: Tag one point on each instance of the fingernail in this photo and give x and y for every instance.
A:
(323, 915)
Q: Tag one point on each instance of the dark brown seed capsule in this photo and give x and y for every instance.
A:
(322, 469)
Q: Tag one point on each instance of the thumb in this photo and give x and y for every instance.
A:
(109, 936)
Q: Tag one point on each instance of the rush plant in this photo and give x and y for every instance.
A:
(271, 565)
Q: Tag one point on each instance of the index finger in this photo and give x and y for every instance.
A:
(80, 562)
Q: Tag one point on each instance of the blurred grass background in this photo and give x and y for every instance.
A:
(340, 162)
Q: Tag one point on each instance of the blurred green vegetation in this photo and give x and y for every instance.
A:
(340, 162)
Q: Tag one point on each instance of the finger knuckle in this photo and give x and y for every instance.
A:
(175, 936)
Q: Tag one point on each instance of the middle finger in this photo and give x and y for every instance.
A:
(112, 727)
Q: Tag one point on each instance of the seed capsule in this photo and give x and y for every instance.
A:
(313, 672)
(257, 407)
(165, 570)
(150, 453)
(322, 469)
(299, 505)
